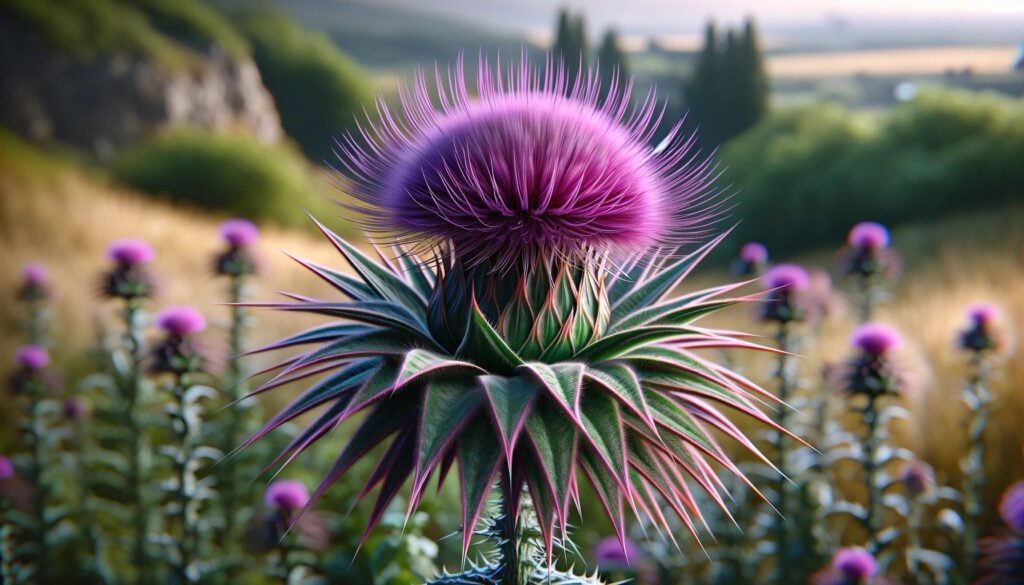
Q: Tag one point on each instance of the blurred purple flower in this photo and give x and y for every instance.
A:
(180, 321)
(610, 554)
(876, 339)
(76, 408)
(786, 276)
(130, 252)
(6, 467)
(286, 495)
(982, 332)
(855, 563)
(754, 253)
(784, 302)
(239, 233)
(1011, 507)
(32, 357)
(35, 274)
(868, 235)
(918, 477)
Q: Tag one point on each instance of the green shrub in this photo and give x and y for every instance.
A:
(804, 176)
(226, 172)
(318, 89)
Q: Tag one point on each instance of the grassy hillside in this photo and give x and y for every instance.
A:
(53, 213)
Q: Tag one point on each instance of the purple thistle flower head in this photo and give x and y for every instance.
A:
(868, 235)
(527, 167)
(35, 274)
(610, 553)
(789, 277)
(33, 357)
(1011, 507)
(6, 467)
(855, 563)
(286, 494)
(918, 477)
(983, 314)
(130, 252)
(876, 339)
(239, 233)
(754, 253)
(180, 321)
(77, 408)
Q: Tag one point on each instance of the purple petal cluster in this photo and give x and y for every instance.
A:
(787, 276)
(76, 408)
(876, 339)
(982, 332)
(6, 467)
(983, 314)
(1011, 507)
(130, 252)
(180, 321)
(754, 253)
(239, 233)
(35, 274)
(855, 563)
(610, 553)
(918, 477)
(526, 167)
(286, 494)
(868, 235)
(33, 357)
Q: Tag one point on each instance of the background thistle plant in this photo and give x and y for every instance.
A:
(868, 259)
(537, 342)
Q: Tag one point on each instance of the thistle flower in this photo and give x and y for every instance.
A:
(76, 408)
(786, 284)
(850, 566)
(872, 372)
(32, 358)
(286, 495)
(867, 251)
(6, 467)
(177, 353)
(1002, 556)
(35, 283)
(611, 554)
(752, 259)
(918, 477)
(514, 349)
(128, 279)
(237, 259)
(982, 332)
(1011, 507)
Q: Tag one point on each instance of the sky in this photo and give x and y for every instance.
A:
(654, 16)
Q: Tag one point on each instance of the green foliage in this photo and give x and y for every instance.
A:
(319, 90)
(805, 176)
(611, 61)
(729, 89)
(571, 44)
(226, 172)
(86, 29)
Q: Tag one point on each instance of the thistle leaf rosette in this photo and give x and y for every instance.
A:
(524, 325)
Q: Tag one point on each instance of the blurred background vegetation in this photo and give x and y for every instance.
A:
(159, 118)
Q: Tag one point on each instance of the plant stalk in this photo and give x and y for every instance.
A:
(872, 519)
(978, 400)
(784, 384)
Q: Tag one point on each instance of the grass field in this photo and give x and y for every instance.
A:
(909, 61)
(52, 213)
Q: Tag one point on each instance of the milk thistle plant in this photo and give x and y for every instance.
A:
(237, 263)
(980, 340)
(525, 326)
(177, 356)
(868, 259)
(35, 292)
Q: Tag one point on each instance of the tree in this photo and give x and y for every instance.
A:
(611, 63)
(571, 44)
(729, 90)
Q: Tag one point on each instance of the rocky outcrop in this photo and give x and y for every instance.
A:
(103, 104)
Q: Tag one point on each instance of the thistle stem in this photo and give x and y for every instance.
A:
(977, 397)
(7, 545)
(134, 408)
(867, 297)
(35, 433)
(914, 537)
(35, 326)
(784, 384)
(510, 543)
(186, 429)
(871, 519)
(234, 386)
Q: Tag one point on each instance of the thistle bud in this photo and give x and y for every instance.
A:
(786, 284)
(866, 253)
(237, 259)
(177, 353)
(128, 279)
(35, 283)
(752, 259)
(872, 372)
(982, 333)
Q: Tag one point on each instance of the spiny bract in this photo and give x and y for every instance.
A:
(543, 357)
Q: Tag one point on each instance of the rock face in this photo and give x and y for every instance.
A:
(104, 104)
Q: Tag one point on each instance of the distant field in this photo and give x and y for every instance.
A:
(916, 61)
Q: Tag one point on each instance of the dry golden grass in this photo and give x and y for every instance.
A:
(912, 61)
(65, 220)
